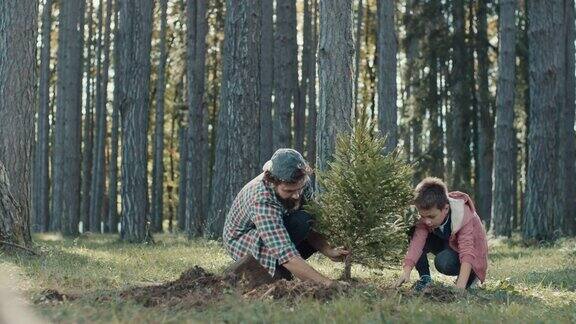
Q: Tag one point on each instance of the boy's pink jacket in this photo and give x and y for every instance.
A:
(468, 236)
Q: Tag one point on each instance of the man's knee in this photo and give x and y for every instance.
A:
(447, 262)
(298, 224)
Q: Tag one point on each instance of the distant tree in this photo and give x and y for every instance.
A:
(112, 218)
(505, 142)
(18, 82)
(158, 150)
(98, 170)
(41, 181)
(237, 156)
(196, 206)
(88, 126)
(484, 117)
(69, 103)
(460, 110)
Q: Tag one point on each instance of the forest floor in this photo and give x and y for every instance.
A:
(95, 278)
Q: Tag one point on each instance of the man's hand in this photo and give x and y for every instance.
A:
(337, 254)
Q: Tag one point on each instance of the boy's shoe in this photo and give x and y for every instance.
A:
(422, 284)
(475, 284)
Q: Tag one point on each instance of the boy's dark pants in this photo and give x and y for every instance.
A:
(446, 261)
(298, 225)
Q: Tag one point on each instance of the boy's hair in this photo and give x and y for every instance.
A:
(431, 192)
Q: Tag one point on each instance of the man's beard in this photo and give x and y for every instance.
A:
(288, 203)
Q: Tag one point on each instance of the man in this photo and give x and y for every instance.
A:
(267, 232)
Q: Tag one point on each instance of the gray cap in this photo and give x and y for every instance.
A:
(284, 164)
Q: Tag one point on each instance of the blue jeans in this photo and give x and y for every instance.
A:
(298, 225)
(447, 261)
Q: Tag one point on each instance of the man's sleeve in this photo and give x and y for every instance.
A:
(271, 229)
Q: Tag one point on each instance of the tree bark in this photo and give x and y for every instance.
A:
(88, 130)
(158, 168)
(460, 110)
(541, 196)
(18, 82)
(567, 137)
(312, 110)
(113, 216)
(98, 182)
(505, 141)
(336, 70)
(134, 45)
(239, 114)
(485, 132)
(387, 48)
(285, 63)
(267, 78)
(43, 126)
(196, 206)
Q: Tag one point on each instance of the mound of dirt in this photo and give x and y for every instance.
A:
(295, 290)
(195, 287)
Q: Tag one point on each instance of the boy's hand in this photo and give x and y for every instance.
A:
(337, 254)
(403, 278)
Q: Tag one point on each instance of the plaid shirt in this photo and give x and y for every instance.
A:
(254, 224)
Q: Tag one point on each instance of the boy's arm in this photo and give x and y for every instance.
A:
(465, 270)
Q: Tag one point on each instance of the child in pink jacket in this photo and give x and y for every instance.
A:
(450, 229)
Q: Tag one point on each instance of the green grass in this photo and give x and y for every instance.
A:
(524, 285)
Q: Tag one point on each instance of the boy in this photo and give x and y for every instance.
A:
(450, 229)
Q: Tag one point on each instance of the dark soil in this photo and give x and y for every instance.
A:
(49, 296)
(197, 288)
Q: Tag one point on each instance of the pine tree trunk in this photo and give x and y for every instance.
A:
(358, 39)
(567, 136)
(285, 62)
(267, 78)
(312, 110)
(97, 191)
(565, 126)
(43, 139)
(182, 195)
(88, 147)
(336, 68)
(134, 45)
(387, 48)
(158, 168)
(541, 196)
(113, 216)
(505, 141)
(239, 110)
(18, 82)
(484, 120)
(69, 101)
(301, 125)
(197, 136)
(460, 110)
